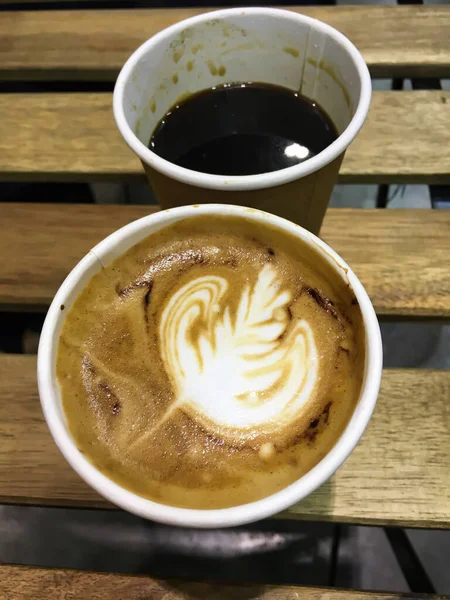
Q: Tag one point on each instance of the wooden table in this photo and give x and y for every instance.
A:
(400, 472)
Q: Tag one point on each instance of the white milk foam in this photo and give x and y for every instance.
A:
(253, 372)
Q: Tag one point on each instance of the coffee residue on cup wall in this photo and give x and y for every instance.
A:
(196, 48)
(215, 70)
(179, 46)
(239, 47)
(177, 56)
(292, 51)
(334, 76)
(182, 97)
(228, 28)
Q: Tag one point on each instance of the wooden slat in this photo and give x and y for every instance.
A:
(24, 583)
(401, 256)
(399, 474)
(73, 137)
(395, 41)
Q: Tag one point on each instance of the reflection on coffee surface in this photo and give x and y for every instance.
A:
(243, 129)
(212, 364)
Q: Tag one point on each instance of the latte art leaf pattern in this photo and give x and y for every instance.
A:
(240, 370)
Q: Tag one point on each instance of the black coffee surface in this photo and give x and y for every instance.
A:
(242, 129)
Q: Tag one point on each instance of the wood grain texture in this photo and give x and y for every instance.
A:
(27, 583)
(399, 474)
(401, 256)
(399, 41)
(73, 137)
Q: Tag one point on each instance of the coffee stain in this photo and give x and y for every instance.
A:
(146, 302)
(152, 105)
(334, 76)
(123, 292)
(324, 303)
(147, 294)
(62, 307)
(228, 29)
(182, 97)
(238, 47)
(315, 425)
(138, 126)
(212, 67)
(177, 56)
(175, 78)
(326, 412)
(196, 48)
(292, 51)
(178, 46)
(319, 298)
(189, 65)
(220, 71)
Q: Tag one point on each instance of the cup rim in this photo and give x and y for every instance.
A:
(243, 182)
(204, 518)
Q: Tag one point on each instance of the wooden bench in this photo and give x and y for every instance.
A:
(400, 472)
(405, 41)
(82, 142)
(42, 584)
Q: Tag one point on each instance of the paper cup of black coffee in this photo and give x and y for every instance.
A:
(260, 45)
(209, 365)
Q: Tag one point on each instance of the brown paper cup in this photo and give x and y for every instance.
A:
(256, 44)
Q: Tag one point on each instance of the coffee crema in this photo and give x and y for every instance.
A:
(211, 365)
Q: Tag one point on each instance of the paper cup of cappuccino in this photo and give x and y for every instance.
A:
(260, 45)
(54, 382)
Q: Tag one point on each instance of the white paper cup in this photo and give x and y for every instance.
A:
(265, 45)
(103, 254)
